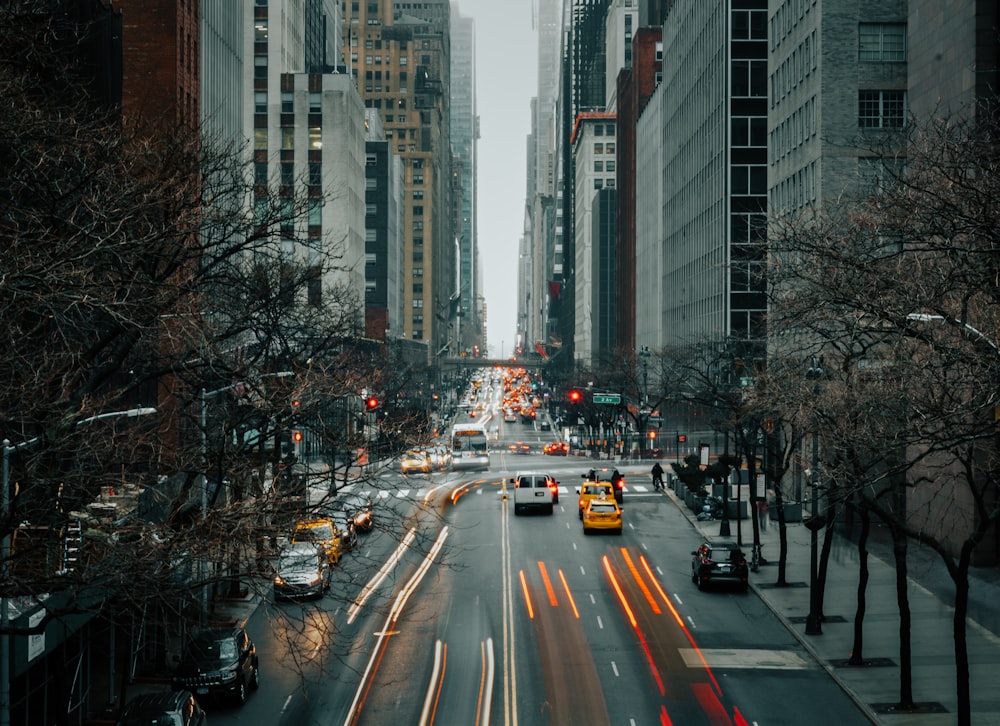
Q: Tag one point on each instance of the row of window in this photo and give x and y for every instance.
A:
(794, 69)
(796, 191)
(794, 130)
(788, 15)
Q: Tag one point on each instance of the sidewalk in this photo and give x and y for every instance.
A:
(875, 687)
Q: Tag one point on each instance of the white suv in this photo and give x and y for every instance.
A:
(533, 491)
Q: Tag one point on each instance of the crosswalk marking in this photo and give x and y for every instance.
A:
(722, 658)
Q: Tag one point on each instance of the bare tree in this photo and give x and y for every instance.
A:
(143, 271)
(897, 288)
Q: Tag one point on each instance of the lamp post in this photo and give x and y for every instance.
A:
(814, 620)
(8, 449)
(644, 355)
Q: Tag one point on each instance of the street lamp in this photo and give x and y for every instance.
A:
(814, 620)
(8, 449)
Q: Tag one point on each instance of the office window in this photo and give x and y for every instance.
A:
(403, 60)
(749, 78)
(881, 109)
(315, 137)
(598, 165)
(418, 211)
(260, 102)
(418, 303)
(418, 271)
(260, 174)
(418, 193)
(260, 138)
(287, 102)
(599, 130)
(287, 173)
(315, 102)
(609, 148)
(879, 175)
(260, 30)
(609, 165)
(371, 235)
(315, 174)
(315, 212)
(749, 24)
(882, 42)
(288, 138)
(371, 184)
(370, 209)
(418, 178)
(260, 66)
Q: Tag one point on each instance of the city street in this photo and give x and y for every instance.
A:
(523, 619)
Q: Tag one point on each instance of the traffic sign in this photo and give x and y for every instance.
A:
(612, 398)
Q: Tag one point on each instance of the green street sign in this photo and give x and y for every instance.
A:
(612, 398)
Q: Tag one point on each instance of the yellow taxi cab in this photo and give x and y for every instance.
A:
(593, 490)
(602, 513)
(322, 533)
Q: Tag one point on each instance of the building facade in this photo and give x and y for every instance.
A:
(464, 124)
(399, 57)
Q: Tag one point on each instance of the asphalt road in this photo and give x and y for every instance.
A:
(485, 617)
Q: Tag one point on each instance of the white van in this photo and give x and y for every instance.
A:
(534, 491)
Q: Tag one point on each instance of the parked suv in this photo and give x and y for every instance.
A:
(219, 662)
(170, 708)
(715, 561)
(534, 491)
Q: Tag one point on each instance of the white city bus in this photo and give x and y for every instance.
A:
(470, 447)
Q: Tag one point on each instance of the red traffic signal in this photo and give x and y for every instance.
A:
(682, 438)
(575, 396)
(651, 434)
(296, 436)
(371, 403)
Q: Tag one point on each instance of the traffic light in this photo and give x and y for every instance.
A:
(575, 396)
(651, 434)
(682, 438)
(371, 403)
(297, 436)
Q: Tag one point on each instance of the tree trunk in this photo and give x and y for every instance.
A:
(903, 600)
(779, 505)
(824, 558)
(857, 650)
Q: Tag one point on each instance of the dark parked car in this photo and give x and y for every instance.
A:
(302, 570)
(170, 708)
(219, 662)
(719, 561)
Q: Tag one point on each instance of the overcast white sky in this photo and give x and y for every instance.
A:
(506, 80)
